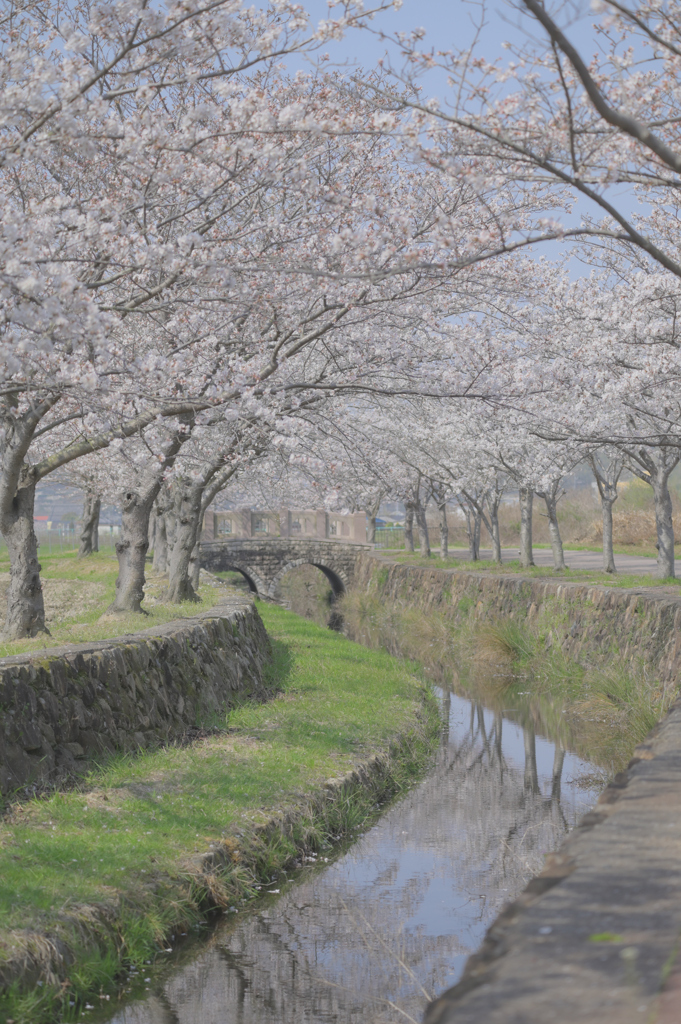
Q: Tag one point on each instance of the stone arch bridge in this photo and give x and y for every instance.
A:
(264, 562)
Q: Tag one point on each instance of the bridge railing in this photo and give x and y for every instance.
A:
(390, 537)
(310, 524)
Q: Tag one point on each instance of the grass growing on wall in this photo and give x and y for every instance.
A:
(108, 869)
(627, 580)
(602, 712)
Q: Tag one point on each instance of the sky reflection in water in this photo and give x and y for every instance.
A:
(367, 939)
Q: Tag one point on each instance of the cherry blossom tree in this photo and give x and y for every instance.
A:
(574, 134)
(614, 361)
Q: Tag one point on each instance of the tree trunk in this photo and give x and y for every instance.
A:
(409, 527)
(665, 526)
(131, 550)
(496, 536)
(476, 530)
(89, 537)
(424, 539)
(608, 553)
(607, 477)
(371, 520)
(554, 532)
(171, 530)
(473, 539)
(160, 563)
(526, 495)
(25, 606)
(444, 530)
(188, 526)
(152, 532)
(195, 568)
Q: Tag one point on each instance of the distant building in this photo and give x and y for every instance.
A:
(309, 524)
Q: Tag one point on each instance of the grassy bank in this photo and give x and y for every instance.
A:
(599, 710)
(78, 592)
(514, 568)
(94, 882)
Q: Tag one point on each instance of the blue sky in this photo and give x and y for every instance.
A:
(450, 24)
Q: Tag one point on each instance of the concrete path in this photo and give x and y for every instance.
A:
(635, 564)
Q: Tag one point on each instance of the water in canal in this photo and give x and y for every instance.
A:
(369, 936)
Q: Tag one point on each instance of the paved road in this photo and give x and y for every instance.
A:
(575, 559)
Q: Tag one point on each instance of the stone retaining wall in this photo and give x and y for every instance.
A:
(69, 704)
(639, 628)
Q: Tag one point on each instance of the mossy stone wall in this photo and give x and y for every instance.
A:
(68, 705)
(640, 628)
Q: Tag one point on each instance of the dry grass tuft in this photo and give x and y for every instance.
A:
(502, 642)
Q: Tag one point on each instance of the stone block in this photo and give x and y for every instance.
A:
(31, 737)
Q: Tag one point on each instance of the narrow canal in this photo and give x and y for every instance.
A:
(372, 933)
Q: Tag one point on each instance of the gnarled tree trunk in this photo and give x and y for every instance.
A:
(25, 605)
(160, 562)
(89, 534)
(526, 495)
(188, 520)
(131, 550)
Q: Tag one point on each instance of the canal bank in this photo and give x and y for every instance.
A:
(367, 934)
(469, 770)
(595, 935)
(594, 938)
(377, 933)
(94, 881)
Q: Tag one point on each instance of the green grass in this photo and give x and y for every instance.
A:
(108, 868)
(84, 624)
(514, 568)
(640, 550)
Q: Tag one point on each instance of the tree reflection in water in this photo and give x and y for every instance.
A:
(390, 922)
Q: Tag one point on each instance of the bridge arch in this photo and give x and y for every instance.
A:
(256, 584)
(336, 577)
